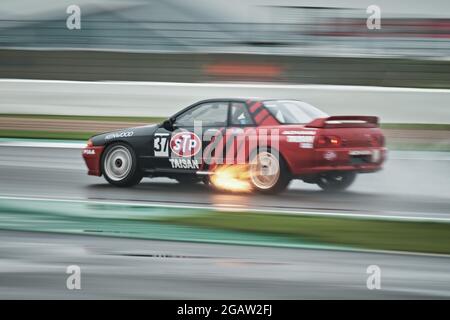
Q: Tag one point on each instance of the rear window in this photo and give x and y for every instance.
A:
(293, 112)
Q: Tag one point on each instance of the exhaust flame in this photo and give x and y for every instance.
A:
(232, 178)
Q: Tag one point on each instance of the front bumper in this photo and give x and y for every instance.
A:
(92, 156)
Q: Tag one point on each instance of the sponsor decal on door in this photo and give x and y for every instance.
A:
(185, 144)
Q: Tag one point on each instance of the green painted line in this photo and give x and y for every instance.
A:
(129, 221)
(157, 222)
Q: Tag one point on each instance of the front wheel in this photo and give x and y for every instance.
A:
(336, 181)
(269, 173)
(119, 165)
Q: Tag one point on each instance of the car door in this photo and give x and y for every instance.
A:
(236, 145)
(181, 150)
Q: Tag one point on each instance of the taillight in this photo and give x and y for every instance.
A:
(377, 141)
(89, 143)
(335, 141)
(328, 141)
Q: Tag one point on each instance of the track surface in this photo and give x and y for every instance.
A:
(33, 265)
(418, 187)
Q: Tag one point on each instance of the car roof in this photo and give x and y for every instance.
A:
(238, 99)
(226, 99)
(243, 99)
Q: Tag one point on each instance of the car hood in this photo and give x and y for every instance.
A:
(123, 134)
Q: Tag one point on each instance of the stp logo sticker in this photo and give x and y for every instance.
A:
(185, 144)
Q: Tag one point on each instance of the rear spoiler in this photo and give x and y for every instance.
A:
(344, 122)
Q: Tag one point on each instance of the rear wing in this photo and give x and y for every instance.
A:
(344, 122)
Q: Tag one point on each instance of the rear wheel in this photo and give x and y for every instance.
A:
(269, 172)
(119, 165)
(336, 181)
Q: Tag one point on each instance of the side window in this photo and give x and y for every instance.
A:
(212, 114)
(239, 114)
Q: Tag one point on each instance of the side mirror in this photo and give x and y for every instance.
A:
(168, 125)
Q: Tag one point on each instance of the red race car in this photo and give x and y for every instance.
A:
(242, 145)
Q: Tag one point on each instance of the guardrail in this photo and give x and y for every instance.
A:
(395, 105)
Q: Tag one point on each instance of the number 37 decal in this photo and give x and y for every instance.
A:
(161, 145)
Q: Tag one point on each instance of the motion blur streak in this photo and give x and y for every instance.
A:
(409, 28)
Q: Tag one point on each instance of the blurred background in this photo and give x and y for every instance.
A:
(169, 54)
(137, 62)
(284, 41)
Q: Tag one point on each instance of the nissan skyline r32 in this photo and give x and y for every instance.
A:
(271, 142)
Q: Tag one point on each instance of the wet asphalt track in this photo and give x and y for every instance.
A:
(419, 187)
(33, 265)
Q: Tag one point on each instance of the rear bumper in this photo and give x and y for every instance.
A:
(92, 156)
(359, 169)
(362, 160)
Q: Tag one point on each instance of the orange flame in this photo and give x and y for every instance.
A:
(232, 178)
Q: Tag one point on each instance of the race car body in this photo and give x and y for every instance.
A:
(271, 141)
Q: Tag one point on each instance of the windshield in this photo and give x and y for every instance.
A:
(293, 112)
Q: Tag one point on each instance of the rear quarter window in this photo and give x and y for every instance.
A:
(293, 112)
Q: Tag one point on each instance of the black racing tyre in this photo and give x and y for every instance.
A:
(268, 172)
(336, 181)
(119, 165)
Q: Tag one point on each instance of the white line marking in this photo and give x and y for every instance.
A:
(246, 209)
(237, 85)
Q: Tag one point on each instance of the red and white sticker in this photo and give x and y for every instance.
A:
(185, 144)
